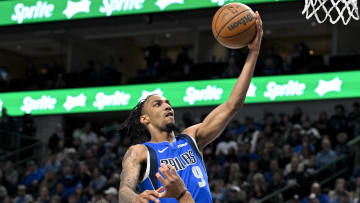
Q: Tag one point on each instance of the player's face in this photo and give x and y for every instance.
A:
(160, 112)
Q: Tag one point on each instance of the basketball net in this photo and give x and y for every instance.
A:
(332, 9)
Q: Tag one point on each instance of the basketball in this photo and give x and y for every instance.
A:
(234, 25)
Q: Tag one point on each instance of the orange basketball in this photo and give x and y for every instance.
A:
(234, 25)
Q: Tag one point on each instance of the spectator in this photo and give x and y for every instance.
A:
(286, 155)
(234, 176)
(269, 67)
(69, 184)
(342, 148)
(306, 154)
(49, 180)
(111, 195)
(152, 56)
(313, 199)
(245, 153)
(56, 137)
(28, 127)
(33, 173)
(59, 191)
(60, 153)
(52, 164)
(70, 156)
(294, 171)
(5, 119)
(86, 134)
(284, 123)
(306, 143)
(55, 199)
(234, 194)
(295, 199)
(327, 155)
(108, 158)
(7, 199)
(114, 181)
(337, 122)
(335, 196)
(274, 167)
(226, 145)
(98, 180)
(98, 197)
(80, 195)
(260, 186)
(183, 61)
(3, 190)
(11, 176)
(22, 197)
(310, 131)
(188, 119)
(277, 182)
(79, 146)
(249, 135)
(44, 195)
(316, 193)
(322, 124)
(354, 119)
(294, 139)
(356, 189)
(83, 174)
(72, 199)
(91, 161)
(259, 140)
(253, 169)
(296, 117)
(293, 166)
(310, 167)
(232, 69)
(218, 191)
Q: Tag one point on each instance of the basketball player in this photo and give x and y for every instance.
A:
(183, 152)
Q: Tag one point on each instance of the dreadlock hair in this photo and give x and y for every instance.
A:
(132, 126)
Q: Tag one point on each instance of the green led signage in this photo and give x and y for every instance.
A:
(183, 94)
(36, 11)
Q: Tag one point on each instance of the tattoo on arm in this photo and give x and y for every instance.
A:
(129, 176)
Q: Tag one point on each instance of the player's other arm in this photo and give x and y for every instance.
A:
(216, 121)
(130, 174)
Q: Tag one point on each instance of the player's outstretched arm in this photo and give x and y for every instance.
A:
(130, 173)
(173, 185)
(216, 121)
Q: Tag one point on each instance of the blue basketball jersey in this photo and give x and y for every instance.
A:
(184, 155)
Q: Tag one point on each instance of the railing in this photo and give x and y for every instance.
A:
(12, 144)
(318, 172)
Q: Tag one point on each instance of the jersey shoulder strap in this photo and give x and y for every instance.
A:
(193, 145)
(153, 166)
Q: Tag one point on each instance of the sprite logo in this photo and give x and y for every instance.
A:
(38, 11)
(292, 88)
(220, 2)
(207, 94)
(162, 4)
(73, 8)
(324, 87)
(251, 91)
(116, 99)
(44, 103)
(145, 93)
(110, 6)
(72, 102)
